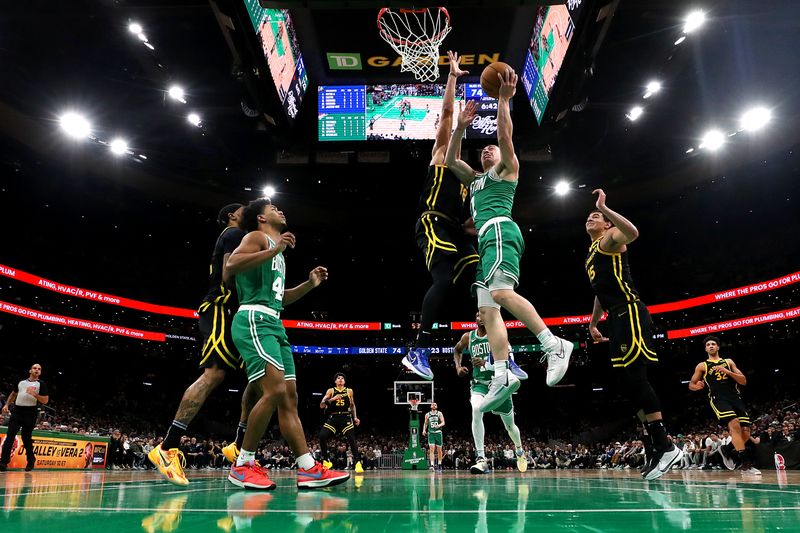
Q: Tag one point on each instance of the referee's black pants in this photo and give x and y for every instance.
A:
(23, 420)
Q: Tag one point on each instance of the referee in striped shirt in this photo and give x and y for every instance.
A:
(26, 399)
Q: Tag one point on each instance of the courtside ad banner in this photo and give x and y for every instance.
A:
(60, 450)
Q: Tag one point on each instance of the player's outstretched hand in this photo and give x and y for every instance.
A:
(467, 114)
(287, 240)
(601, 198)
(317, 276)
(455, 68)
(508, 83)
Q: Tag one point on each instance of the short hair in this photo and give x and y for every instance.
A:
(336, 376)
(251, 212)
(225, 213)
(711, 338)
(605, 218)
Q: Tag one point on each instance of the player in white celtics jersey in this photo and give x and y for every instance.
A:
(260, 272)
(500, 246)
(475, 345)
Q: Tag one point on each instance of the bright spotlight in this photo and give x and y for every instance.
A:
(194, 119)
(680, 40)
(135, 28)
(653, 87)
(269, 191)
(142, 37)
(176, 93)
(562, 188)
(75, 125)
(635, 113)
(713, 140)
(755, 118)
(118, 146)
(694, 20)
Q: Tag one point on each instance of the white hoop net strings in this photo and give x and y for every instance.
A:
(416, 38)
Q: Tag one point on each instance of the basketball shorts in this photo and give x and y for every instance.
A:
(439, 239)
(630, 334)
(435, 438)
(261, 340)
(729, 408)
(339, 424)
(500, 246)
(218, 347)
(481, 389)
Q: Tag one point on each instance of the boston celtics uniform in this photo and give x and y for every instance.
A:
(629, 323)
(482, 376)
(257, 329)
(500, 242)
(434, 433)
(724, 395)
(442, 207)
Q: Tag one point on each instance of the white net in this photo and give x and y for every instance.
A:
(416, 35)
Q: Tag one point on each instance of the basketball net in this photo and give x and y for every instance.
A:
(414, 403)
(415, 34)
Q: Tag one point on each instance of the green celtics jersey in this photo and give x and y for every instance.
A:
(479, 347)
(491, 197)
(434, 419)
(263, 285)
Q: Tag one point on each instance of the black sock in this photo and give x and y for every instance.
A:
(240, 434)
(174, 434)
(658, 433)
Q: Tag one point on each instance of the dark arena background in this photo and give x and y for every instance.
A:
(125, 127)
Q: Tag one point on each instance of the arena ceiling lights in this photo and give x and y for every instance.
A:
(755, 118)
(269, 191)
(75, 125)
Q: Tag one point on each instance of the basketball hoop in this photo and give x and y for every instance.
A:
(414, 403)
(415, 34)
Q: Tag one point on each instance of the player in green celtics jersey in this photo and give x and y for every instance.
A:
(260, 272)
(434, 422)
(500, 246)
(475, 345)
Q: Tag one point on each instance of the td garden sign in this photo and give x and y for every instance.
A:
(353, 61)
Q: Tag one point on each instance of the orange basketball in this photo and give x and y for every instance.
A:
(489, 80)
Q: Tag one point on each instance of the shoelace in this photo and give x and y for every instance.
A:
(173, 453)
(546, 354)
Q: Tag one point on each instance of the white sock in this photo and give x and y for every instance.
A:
(548, 340)
(500, 369)
(245, 457)
(306, 461)
(478, 430)
(513, 430)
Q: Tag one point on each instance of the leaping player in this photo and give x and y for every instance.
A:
(441, 231)
(501, 245)
(475, 344)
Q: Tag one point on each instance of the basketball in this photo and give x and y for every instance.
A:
(489, 80)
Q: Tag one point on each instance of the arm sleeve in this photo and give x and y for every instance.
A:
(43, 389)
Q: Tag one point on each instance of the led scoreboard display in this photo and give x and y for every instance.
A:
(396, 112)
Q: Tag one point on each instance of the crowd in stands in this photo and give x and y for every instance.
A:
(131, 439)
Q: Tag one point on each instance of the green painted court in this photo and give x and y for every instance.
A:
(63, 502)
(391, 110)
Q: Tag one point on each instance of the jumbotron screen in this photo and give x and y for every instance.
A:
(551, 38)
(396, 112)
(276, 34)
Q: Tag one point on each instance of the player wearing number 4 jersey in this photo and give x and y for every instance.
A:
(629, 325)
(500, 247)
(260, 272)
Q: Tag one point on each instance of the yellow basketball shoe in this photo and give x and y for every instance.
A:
(359, 468)
(231, 452)
(170, 464)
(522, 463)
(327, 464)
